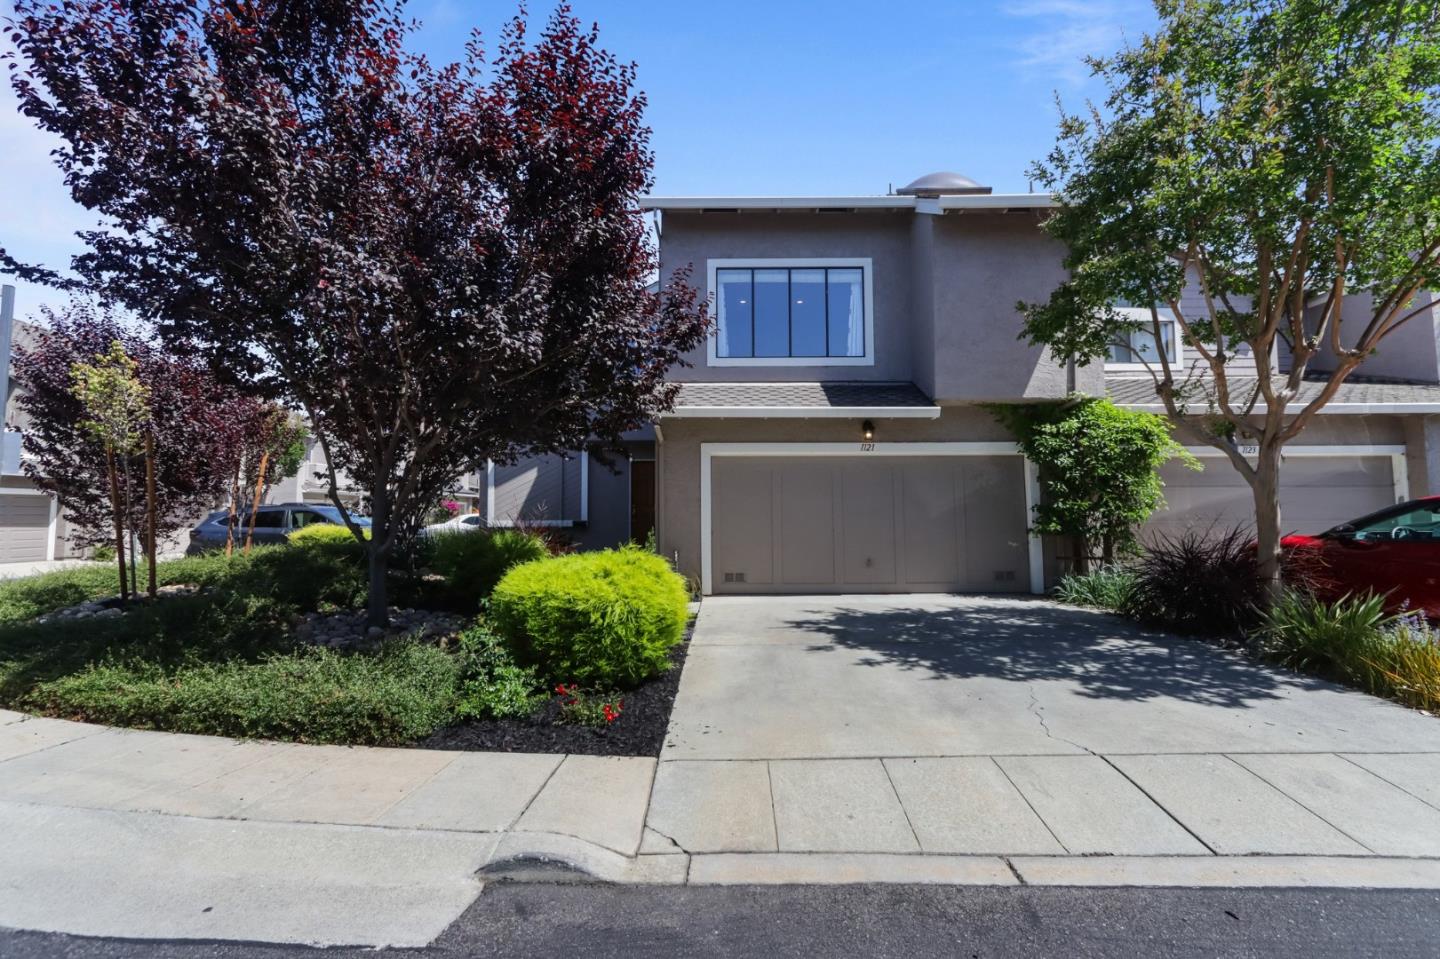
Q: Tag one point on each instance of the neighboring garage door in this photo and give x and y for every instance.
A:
(1316, 493)
(24, 528)
(868, 524)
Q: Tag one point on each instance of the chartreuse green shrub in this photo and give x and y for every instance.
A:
(605, 619)
(473, 562)
(324, 534)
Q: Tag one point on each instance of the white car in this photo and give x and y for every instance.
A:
(464, 523)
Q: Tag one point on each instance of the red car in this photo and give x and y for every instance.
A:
(1395, 551)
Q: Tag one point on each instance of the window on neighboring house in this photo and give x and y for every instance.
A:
(1139, 346)
(806, 313)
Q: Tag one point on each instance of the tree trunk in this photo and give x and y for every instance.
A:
(1266, 489)
(255, 505)
(115, 514)
(376, 609)
(150, 506)
(130, 528)
(230, 520)
(1082, 555)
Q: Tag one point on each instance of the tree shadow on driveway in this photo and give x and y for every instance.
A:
(1028, 640)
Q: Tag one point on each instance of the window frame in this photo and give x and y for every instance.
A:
(1143, 314)
(867, 280)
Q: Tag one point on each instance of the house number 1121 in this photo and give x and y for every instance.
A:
(867, 447)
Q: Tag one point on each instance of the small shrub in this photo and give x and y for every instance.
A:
(1108, 588)
(1408, 661)
(605, 619)
(1198, 582)
(324, 534)
(404, 692)
(492, 684)
(1338, 639)
(582, 707)
(473, 562)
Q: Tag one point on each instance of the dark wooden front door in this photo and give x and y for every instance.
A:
(642, 499)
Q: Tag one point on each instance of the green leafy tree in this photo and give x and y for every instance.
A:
(1280, 156)
(118, 407)
(1098, 468)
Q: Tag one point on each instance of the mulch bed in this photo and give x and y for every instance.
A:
(640, 730)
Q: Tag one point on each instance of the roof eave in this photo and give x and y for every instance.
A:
(804, 412)
(990, 201)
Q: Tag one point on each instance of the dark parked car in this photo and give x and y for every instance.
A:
(273, 523)
(1393, 551)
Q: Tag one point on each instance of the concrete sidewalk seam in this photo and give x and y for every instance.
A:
(1146, 793)
(1389, 782)
(903, 811)
(1299, 802)
(531, 801)
(1026, 799)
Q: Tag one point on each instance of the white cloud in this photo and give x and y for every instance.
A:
(1067, 31)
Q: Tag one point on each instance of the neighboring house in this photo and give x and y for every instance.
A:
(31, 527)
(829, 438)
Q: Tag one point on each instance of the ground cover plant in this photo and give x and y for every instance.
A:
(221, 656)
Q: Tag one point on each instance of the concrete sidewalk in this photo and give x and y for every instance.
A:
(1041, 747)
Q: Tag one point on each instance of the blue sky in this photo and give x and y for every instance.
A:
(750, 97)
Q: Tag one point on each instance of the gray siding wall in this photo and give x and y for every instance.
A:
(694, 238)
(984, 264)
(945, 294)
(1411, 352)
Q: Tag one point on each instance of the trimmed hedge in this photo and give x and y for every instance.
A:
(473, 562)
(324, 534)
(605, 619)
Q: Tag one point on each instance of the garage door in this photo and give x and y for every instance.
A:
(1316, 493)
(863, 524)
(24, 528)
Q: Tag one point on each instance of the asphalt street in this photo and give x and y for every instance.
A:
(913, 922)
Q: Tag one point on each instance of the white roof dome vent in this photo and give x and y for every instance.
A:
(943, 183)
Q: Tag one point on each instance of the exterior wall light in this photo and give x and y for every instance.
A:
(867, 430)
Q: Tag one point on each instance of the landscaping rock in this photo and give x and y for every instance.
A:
(348, 630)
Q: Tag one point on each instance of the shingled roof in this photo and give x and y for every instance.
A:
(1355, 395)
(803, 399)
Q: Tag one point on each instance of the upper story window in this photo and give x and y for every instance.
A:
(1140, 346)
(792, 313)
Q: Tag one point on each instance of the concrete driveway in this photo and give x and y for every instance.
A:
(1016, 727)
(856, 676)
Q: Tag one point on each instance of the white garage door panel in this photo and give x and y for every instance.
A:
(868, 524)
(24, 528)
(1316, 493)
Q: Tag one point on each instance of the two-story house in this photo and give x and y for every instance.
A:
(829, 435)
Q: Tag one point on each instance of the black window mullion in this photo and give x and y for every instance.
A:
(825, 292)
(790, 312)
(754, 307)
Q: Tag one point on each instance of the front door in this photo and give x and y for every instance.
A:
(642, 499)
